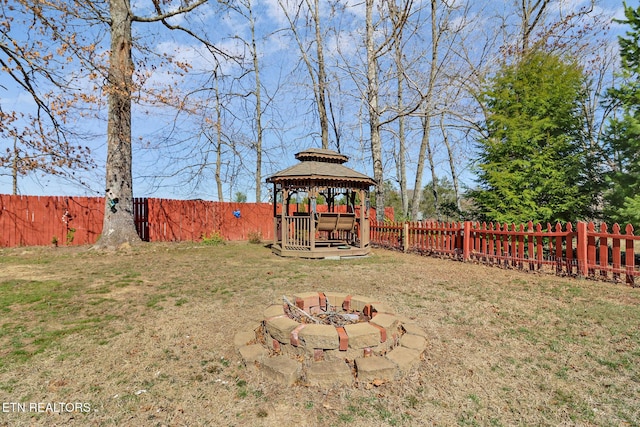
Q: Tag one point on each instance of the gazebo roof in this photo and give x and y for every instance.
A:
(321, 155)
(321, 165)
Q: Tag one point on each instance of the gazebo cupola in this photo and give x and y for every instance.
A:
(320, 207)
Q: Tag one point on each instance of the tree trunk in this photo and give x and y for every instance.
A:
(434, 180)
(218, 172)
(374, 115)
(256, 69)
(402, 155)
(532, 13)
(118, 226)
(14, 169)
(424, 147)
(452, 166)
(322, 78)
(426, 121)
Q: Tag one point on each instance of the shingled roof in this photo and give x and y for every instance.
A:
(321, 164)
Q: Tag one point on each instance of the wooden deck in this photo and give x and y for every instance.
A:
(326, 235)
(321, 252)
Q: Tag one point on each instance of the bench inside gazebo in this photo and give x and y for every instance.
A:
(321, 207)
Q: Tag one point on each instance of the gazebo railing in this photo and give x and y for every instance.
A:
(295, 235)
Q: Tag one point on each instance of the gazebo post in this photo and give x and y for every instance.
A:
(284, 227)
(312, 215)
(275, 214)
(362, 227)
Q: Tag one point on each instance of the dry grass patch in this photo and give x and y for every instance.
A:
(145, 337)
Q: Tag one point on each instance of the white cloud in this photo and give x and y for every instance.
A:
(19, 101)
(274, 12)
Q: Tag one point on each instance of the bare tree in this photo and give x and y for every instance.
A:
(552, 25)
(375, 50)
(442, 72)
(401, 166)
(451, 157)
(117, 18)
(218, 142)
(298, 14)
(404, 38)
(245, 8)
(374, 110)
(258, 94)
(32, 58)
(118, 226)
(531, 15)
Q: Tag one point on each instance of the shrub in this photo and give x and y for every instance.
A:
(213, 239)
(255, 237)
(70, 235)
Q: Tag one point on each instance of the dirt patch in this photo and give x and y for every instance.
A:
(146, 338)
(24, 272)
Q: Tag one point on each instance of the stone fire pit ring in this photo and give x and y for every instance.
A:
(331, 339)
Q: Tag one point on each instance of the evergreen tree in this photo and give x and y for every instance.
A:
(446, 209)
(240, 197)
(393, 199)
(532, 159)
(623, 131)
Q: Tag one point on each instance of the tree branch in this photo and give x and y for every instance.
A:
(161, 16)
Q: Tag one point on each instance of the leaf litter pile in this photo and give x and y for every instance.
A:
(329, 317)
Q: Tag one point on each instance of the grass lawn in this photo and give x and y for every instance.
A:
(145, 337)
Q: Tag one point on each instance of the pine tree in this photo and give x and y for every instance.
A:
(532, 157)
(623, 131)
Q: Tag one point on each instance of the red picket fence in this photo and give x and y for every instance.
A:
(428, 237)
(586, 252)
(39, 220)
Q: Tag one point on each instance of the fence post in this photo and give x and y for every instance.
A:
(466, 241)
(581, 248)
(405, 236)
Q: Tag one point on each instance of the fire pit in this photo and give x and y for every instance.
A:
(330, 338)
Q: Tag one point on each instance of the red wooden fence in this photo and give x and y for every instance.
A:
(182, 220)
(38, 220)
(586, 252)
(32, 220)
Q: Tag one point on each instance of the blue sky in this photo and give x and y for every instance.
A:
(169, 148)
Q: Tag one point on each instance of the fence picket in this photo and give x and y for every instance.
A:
(492, 244)
(591, 249)
(513, 247)
(604, 250)
(629, 256)
(615, 252)
(539, 246)
(558, 248)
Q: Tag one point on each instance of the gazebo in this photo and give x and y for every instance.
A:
(321, 207)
